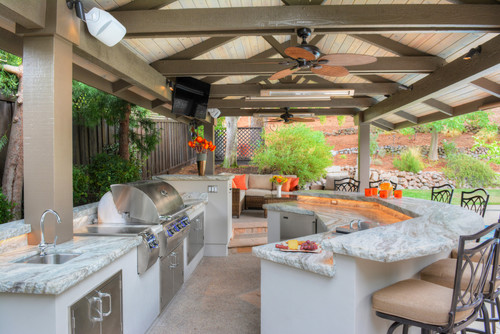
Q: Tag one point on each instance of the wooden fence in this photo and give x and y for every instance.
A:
(171, 153)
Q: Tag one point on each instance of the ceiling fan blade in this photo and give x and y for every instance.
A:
(330, 71)
(296, 52)
(283, 73)
(304, 120)
(346, 59)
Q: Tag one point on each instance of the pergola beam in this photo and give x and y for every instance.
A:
(269, 66)
(487, 86)
(274, 20)
(454, 75)
(440, 106)
(381, 126)
(201, 48)
(385, 123)
(360, 89)
(120, 85)
(276, 45)
(144, 5)
(361, 102)
(28, 13)
(409, 117)
(390, 45)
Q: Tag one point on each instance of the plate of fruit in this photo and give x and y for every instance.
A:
(299, 246)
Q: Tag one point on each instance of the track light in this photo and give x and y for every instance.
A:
(472, 52)
(101, 24)
(404, 87)
(170, 85)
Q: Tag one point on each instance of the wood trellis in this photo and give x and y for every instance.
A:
(249, 140)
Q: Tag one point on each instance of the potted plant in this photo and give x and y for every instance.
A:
(201, 146)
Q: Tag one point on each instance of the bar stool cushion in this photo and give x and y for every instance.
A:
(417, 300)
(442, 272)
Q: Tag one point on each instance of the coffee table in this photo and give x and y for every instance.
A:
(268, 199)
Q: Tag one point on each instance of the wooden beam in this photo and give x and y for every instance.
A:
(121, 62)
(390, 45)
(361, 102)
(381, 126)
(409, 117)
(374, 78)
(257, 79)
(456, 74)
(28, 13)
(275, 20)
(228, 112)
(442, 107)
(201, 48)
(488, 86)
(385, 123)
(120, 85)
(457, 111)
(210, 67)
(360, 89)
(276, 45)
(302, 2)
(11, 43)
(144, 5)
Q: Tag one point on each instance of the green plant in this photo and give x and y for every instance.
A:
(449, 147)
(487, 135)
(343, 156)
(8, 81)
(81, 183)
(322, 119)
(493, 150)
(407, 131)
(296, 150)
(466, 170)
(6, 207)
(377, 162)
(341, 120)
(105, 170)
(410, 160)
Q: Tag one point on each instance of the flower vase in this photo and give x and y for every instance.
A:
(278, 194)
(201, 161)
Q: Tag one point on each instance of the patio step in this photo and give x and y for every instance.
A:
(243, 243)
(249, 227)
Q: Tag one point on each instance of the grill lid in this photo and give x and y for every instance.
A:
(146, 200)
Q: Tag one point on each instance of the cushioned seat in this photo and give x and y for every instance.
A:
(417, 300)
(258, 192)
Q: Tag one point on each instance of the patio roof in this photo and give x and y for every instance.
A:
(419, 75)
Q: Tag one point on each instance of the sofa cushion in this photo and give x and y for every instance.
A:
(242, 195)
(239, 180)
(233, 185)
(286, 186)
(294, 184)
(287, 176)
(256, 181)
(257, 192)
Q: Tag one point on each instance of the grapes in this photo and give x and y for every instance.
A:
(309, 246)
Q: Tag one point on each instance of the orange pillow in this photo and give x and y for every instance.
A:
(239, 180)
(286, 186)
(233, 185)
(294, 183)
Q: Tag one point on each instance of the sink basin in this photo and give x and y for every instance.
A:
(58, 258)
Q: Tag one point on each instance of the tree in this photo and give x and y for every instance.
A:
(231, 157)
(11, 84)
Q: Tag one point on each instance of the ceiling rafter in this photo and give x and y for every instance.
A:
(120, 85)
(28, 13)
(440, 106)
(385, 123)
(372, 19)
(358, 102)
(409, 117)
(487, 86)
(378, 124)
(391, 45)
(454, 75)
(201, 48)
(144, 5)
(276, 45)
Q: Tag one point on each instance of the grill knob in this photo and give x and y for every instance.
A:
(169, 233)
(176, 228)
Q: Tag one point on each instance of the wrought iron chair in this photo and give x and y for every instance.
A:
(346, 184)
(407, 303)
(475, 200)
(442, 193)
(375, 184)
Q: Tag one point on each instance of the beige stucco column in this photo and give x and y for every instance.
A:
(48, 135)
(209, 135)
(363, 155)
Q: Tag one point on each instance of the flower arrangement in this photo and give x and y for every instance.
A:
(278, 179)
(200, 144)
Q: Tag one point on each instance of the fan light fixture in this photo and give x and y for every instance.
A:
(472, 52)
(101, 24)
(278, 114)
(306, 93)
(288, 98)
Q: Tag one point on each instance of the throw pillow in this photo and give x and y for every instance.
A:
(239, 180)
(286, 186)
(294, 183)
(233, 185)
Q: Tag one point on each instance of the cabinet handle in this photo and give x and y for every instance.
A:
(103, 295)
(173, 255)
(98, 302)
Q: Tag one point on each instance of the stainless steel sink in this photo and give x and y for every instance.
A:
(58, 258)
(111, 230)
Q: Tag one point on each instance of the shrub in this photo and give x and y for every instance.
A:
(486, 135)
(81, 183)
(322, 119)
(449, 147)
(466, 170)
(6, 208)
(343, 156)
(105, 170)
(409, 161)
(294, 149)
(341, 120)
(374, 148)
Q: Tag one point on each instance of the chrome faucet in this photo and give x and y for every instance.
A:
(43, 245)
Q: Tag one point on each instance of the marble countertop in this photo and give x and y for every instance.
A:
(14, 229)
(432, 227)
(178, 177)
(53, 279)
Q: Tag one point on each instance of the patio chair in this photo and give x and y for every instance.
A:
(475, 200)
(346, 184)
(436, 308)
(442, 193)
(375, 184)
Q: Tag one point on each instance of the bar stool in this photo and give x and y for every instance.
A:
(475, 200)
(346, 184)
(442, 193)
(375, 184)
(433, 307)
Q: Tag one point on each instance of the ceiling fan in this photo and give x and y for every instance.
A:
(289, 118)
(308, 57)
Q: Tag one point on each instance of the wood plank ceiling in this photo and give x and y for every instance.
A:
(236, 45)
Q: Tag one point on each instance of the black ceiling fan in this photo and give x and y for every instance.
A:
(309, 57)
(287, 117)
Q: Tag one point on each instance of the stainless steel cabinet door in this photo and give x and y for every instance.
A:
(84, 315)
(166, 282)
(293, 225)
(196, 237)
(110, 295)
(178, 270)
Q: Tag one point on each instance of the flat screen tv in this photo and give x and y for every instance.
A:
(190, 97)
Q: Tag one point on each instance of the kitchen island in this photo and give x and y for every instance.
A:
(331, 292)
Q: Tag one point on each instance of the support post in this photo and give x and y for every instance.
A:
(47, 135)
(364, 155)
(209, 135)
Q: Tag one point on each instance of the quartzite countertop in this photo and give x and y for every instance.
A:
(53, 279)
(435, 227)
